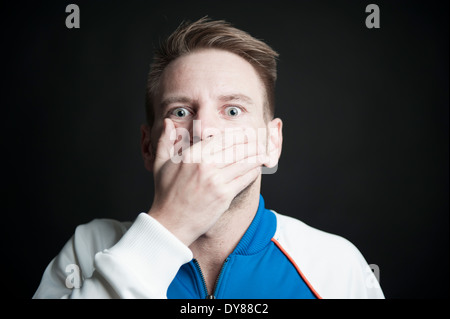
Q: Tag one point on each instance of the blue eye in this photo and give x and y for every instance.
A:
(232, 111)
(180, 112)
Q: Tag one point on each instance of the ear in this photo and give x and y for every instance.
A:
(147, 148)
(275, 141)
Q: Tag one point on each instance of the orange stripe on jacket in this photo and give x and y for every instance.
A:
(297, 268)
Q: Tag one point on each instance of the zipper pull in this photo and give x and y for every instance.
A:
(210, 297)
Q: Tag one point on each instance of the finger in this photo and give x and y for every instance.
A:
(232, 136)
(241, 182)
(240, 152)
(165, 143)
(235, 136)
(240, 168)
(233, 145)
(227, 148)
(196, 152)
(182, 141)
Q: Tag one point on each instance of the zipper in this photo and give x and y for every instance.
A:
(216, 284)
(197, 265)
(207, 295)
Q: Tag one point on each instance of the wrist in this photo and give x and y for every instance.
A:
(174, 225)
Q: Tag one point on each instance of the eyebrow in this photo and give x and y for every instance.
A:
(233, 97)
(236, 97)
(174, 99)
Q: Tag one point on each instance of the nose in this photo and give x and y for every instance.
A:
(205, 124)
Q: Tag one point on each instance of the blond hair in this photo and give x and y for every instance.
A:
(219, 34)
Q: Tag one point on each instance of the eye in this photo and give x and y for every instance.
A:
(232, 111)
(180, 112)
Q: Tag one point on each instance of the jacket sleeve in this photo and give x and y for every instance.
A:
(98, 262)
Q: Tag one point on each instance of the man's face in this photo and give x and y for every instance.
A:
(216, 87)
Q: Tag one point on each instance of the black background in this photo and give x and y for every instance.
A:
(365, 112)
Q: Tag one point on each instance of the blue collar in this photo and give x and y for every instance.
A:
(259, 233)
(189, 281)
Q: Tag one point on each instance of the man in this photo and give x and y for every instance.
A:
(208, 234)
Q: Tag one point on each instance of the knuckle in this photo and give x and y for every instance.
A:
(221, 193)
(215, 181)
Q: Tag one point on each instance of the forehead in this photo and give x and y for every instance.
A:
(209, 74)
